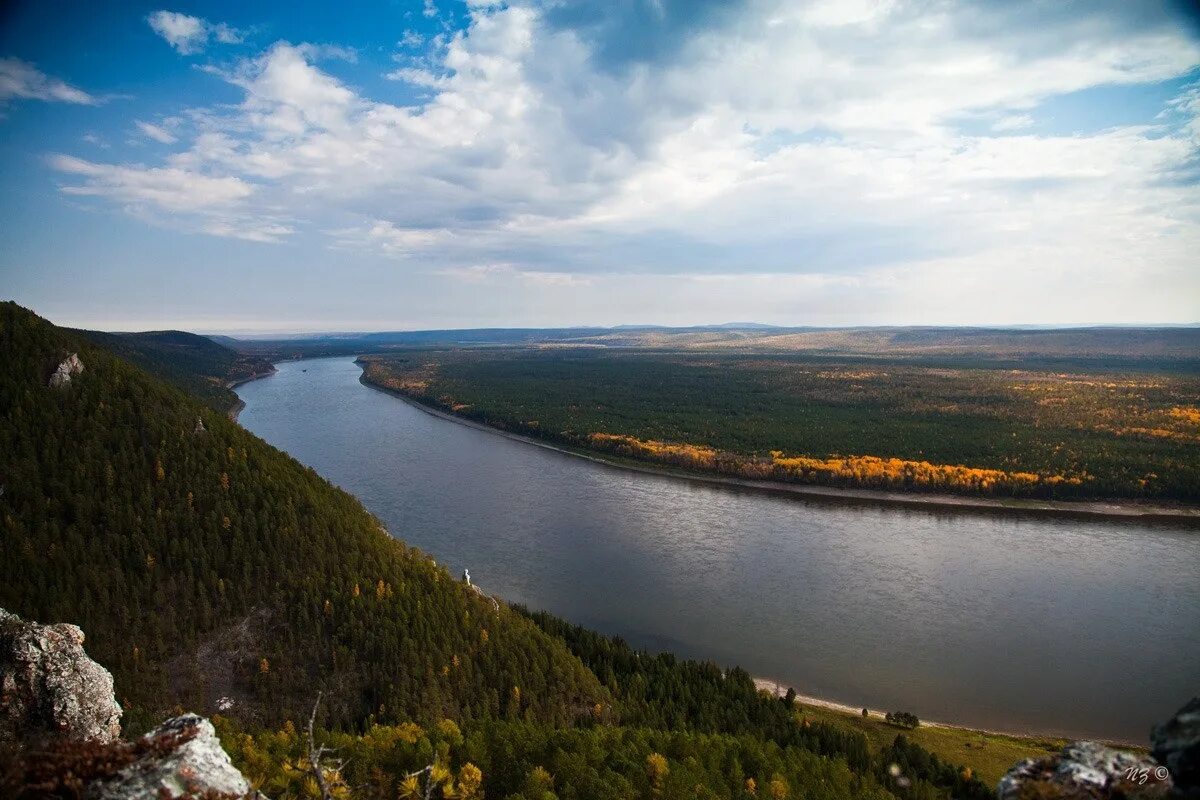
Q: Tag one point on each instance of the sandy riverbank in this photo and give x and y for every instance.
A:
(1112, 509)
(780, 690)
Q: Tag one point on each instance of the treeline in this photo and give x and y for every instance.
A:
(522, 761)
(203, 563)
(660, 691)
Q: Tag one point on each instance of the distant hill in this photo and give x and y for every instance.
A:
(204, 564)
(196, 364)
(1175, 348)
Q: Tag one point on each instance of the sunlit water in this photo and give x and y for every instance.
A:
(1013, 623)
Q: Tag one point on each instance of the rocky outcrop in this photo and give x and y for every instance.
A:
(70, 366)
(1176, 745)
(50, 688)
(180, 758)
(1085, 771)
(59, 717)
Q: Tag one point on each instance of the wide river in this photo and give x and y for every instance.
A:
(1012, 623)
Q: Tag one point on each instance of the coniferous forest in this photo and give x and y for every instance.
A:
(215, 573)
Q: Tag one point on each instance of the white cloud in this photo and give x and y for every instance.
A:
(820, 143)
(169, 188)
(156, 132)
(188, 34)
(22, 80)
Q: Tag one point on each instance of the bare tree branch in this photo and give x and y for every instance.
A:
(315, 754)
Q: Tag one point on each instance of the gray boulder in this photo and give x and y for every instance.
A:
(49, 688)
(1085, 771)
(180, 758)
(1176, 745)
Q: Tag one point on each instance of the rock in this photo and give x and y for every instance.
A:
(181, 757)
(49, 688)
(199, 429)
(1085, 771)
(70, 366)
(1176, 745)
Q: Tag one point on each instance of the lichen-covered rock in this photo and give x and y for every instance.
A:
(49, 688)
(180, 758)
(1085, 771)
(1176, 745)
(70, 366)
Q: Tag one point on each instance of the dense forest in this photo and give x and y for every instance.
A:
(198, 365)
(915, 423)
(212, 572)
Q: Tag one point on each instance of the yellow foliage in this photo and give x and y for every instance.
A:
(657, 770)
(1188, 414)
(470, 782)
(690, 454)
(855, 470)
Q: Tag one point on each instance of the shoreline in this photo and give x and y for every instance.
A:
(1084, 509)
(779, 689)
(231, 385)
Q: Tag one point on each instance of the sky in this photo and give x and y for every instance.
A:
(306, 166)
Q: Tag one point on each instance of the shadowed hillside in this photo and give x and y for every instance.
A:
(197, 364)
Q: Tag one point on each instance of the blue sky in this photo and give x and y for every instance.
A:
(302, 166)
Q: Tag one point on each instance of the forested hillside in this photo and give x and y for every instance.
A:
(197, 364)
(165, 531)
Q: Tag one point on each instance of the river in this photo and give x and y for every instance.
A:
(1017, 623)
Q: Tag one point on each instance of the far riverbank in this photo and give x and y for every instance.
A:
(1091, 509)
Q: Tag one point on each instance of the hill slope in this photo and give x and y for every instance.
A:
(197, 364)
(205, 564)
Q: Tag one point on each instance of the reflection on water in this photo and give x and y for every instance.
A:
(1083, 628)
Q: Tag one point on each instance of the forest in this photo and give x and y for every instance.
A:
(214, 573)
(985, 425)
(200, 366)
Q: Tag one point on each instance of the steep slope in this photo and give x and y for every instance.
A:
(211, 570)
(197, 364)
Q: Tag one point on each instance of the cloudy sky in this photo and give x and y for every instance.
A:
(303, 166)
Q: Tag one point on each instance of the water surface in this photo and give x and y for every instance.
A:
(1013, 623)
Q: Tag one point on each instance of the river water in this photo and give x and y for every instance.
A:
(1012, 623)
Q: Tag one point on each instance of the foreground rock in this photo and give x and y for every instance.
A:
(1085, 771)
(1176, 745)
(60, 729)
(180, 758)
(49, 688)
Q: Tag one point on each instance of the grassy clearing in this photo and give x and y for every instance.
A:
(989, 755)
